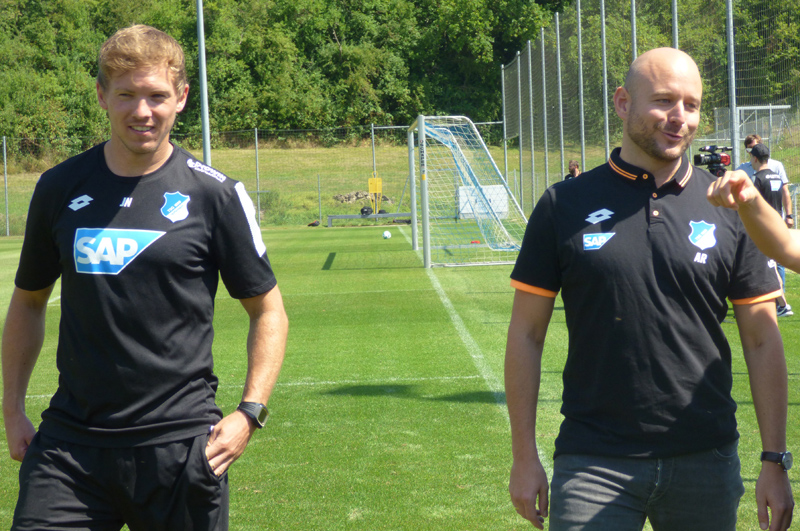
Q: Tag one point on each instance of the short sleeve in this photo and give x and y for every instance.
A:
(239, 249)
(537, 265)
(39, 263)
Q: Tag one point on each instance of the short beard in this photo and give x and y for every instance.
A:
(644, 138)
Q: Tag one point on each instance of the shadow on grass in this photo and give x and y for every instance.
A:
(390, 259)
(409, 391)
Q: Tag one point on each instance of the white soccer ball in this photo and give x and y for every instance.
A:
(387, 235)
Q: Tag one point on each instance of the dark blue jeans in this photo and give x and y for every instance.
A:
(695, 492)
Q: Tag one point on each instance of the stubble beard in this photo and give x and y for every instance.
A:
(644, 137)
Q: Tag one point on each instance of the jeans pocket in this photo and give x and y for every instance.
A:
(727, 451)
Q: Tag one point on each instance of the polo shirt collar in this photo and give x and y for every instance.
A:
(634, 173)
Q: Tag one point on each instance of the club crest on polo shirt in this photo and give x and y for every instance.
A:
(702, 235)
(109, 251)
(593, 242)
(176, 206)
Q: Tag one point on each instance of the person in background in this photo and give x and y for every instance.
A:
(774, 165)
(574, 170)
(139, 232)
(776, 192)
(645, 267)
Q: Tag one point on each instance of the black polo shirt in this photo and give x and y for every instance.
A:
(644, 274)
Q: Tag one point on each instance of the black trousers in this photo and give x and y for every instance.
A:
(160, 487)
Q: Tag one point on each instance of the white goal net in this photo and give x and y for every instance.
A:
(469, 215)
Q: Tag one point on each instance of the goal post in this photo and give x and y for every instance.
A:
(469, 215)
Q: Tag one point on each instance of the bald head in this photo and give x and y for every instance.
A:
(660, 109)
(658, 62)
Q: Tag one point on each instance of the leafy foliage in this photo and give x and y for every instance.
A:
(301, 64)
(272, 64)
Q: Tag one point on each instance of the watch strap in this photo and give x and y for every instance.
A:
(256, 411)
(784, 459)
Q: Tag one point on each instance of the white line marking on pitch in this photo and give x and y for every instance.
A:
(384, 381)
(494, 384)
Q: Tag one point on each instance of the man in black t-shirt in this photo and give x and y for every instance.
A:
(645, 268)
(574, 170)
(775, 191)
(140, 234)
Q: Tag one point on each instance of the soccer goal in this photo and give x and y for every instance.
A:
(469, 215)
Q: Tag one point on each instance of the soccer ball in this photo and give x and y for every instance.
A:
(387, 235)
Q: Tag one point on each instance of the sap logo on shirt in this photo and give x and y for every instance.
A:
(109, 251)
(592, 242)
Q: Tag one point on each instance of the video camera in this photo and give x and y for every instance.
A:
(716, 162)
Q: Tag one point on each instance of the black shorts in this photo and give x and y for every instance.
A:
(160, 487)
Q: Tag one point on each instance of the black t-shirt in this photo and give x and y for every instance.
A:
(770, 185)
(140, 261)
(644, 274)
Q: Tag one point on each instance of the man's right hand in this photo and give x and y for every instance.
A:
(528, 487)
(19, 433)
(732, 190)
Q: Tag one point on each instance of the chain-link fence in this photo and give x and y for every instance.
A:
(558, 90)
(295, 177)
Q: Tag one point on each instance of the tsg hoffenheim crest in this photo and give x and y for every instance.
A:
(176, 206)
(702, 234)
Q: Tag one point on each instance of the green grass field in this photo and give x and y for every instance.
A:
(389, 413)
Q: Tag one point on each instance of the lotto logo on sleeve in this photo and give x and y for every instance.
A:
(109, 251)
(593, 242)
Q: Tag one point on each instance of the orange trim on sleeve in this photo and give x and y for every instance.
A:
(533, 289)
(760, 298)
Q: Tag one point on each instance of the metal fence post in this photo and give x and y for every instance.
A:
(505, 133)
(258, 182)
(605, 76)
(580, 87)
(544, 117)
(5, 186)
(732, 83)
(633, 31)
(423, 171)
(560, 93)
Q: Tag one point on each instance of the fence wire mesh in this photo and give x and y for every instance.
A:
(554, 100)
(574, 74)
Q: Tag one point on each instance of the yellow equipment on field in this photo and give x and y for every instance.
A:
(375, 193)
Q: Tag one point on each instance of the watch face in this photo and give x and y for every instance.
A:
(787, 460)
(262, 416)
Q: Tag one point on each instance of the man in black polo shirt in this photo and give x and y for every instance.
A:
(644, 267)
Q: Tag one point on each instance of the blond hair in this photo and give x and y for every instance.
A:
(139, 47)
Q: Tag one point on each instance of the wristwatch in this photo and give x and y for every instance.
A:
(782, 458)
(258, 413)
(789, 216)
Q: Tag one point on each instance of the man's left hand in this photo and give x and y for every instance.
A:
(227, 441)
(774, 498)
